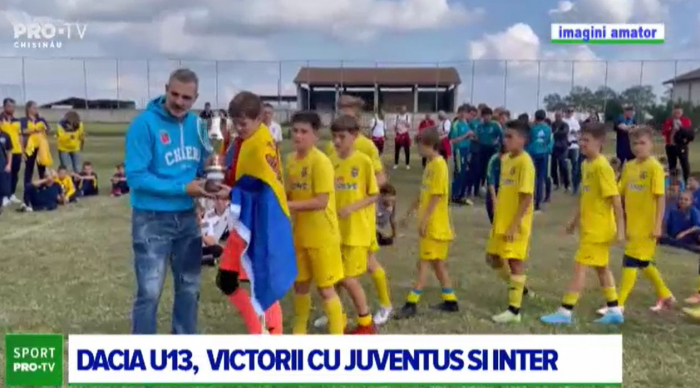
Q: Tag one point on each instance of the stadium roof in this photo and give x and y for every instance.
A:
(383, 76)
(685, 77)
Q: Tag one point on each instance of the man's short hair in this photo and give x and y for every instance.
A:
(643, 131)
(8, 101)
(268, 105)
(245, 105)
(486, 111)
(540, 115)
(308, 117)
(596, 130)
(348, 101)
(185, 76)
(345, 123)
(430, 138)
(519, 126)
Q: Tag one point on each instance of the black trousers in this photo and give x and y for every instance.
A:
(677, 154)
(29, 169)
(14, 174)
(406, 153)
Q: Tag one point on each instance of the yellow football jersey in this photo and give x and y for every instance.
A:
(598, 185)
(517, 177)
(69, 141)
(11, 126)
(355, 181)
(67, 185)
(436, 182)
(305, 179)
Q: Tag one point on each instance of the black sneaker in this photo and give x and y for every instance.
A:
(447, 306)
(409, 310)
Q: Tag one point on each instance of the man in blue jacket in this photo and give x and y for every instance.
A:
(540, 147)
(164, 158)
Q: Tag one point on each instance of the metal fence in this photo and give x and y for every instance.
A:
(520, 85)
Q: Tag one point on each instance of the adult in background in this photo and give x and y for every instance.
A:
(70, 137)
(164, 157)
(560, 136)
(378, 131)
(402, 139)
(11, 127)
(678, 133)
(460, 139)
(539, 147)
(489, 136)
(623, 125)
(573, 153)
(274, 127)
(207, 113)
(35, 129)
(426, 123)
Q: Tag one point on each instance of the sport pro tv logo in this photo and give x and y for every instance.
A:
(47, 35)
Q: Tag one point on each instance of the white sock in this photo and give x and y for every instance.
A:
(616, 310)
(564, 311)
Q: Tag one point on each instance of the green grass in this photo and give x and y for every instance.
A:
(70, 271)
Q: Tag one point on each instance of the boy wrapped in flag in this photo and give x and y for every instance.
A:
(260, 247)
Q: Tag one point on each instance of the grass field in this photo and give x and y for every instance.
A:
(70, 271)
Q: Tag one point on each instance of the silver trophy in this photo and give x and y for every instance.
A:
(213, 141)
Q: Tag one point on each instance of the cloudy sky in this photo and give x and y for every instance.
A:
(250, 38)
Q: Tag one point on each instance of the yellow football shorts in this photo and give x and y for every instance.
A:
(642, 249)
(516, 250)
(593, 254)
(354, 260)
(373, 245)
(323, 265)
(431, 249)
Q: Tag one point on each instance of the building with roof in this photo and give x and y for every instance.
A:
(81, 103)
(419, 89)
(686, 87)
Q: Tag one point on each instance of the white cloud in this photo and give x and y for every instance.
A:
(609, 11)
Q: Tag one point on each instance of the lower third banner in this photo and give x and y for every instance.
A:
(338, 360)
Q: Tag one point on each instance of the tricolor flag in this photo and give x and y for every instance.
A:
(261, 225)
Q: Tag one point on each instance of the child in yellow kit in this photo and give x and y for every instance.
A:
(642, 192)
(351, 106)
(435, 229)
(601, 217)
(508, 245)
(355, 191)
(311, 195)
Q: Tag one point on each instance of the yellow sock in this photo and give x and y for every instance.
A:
(515, 291)
(448, 295)
(629, 277)
(610, 296)
(382, 287)
(364, 320)
(652, 273)
(302, 310)
(503, 272)
(414, 296)
(334, 312)
(569, 300)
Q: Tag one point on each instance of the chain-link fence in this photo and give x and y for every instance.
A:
(521, 86)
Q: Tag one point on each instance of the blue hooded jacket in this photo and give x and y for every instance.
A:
(163, 154)
(540, 142)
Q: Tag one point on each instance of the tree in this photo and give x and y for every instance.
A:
(581, 99)
(640, 97)
(554, 102)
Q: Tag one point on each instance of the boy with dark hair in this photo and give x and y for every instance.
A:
(355, 190)
(601, 219)
(119, 184)
(311, 195)
(489, 136)
(540, 147)
(435, 228)
(86, 181)
(460, 138)
(63, 178)
(386, 214)
(509, 241)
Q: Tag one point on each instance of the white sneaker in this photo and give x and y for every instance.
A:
(604, 310)
(26, 209)
(14, 199)
(396, 166)
(5, 202)
(321, 322)
(408, 167)
(383, 315)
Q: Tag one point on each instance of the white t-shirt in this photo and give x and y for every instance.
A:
(445, 127)
(574, 131)
(276, 131)
(215, 225)
(403, 123)
(377, 126)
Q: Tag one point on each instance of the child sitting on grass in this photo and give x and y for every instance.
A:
(86, 181)
(64, 179)
(119, 185)
(386, 210)
(682, 226)
(693, 187)
(42, 194)
(673, 177)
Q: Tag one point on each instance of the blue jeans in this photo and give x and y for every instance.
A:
(575, 160)
(160, 238)
(70, 159)
(461, 178)
(540, 162)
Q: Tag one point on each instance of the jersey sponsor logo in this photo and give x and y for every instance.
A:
(355, 171)
(643, 175)
(303, 172)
